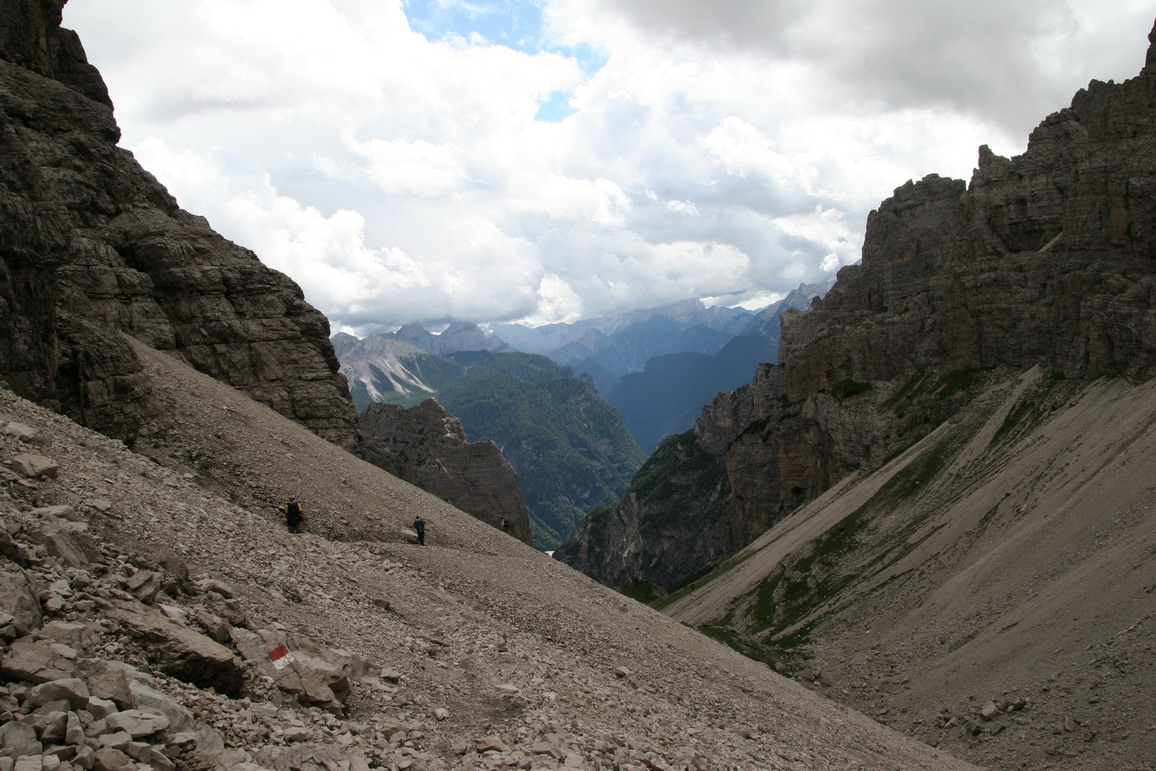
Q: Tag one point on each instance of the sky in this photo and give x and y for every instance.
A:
(549, 160)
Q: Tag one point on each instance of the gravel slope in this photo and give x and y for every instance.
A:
(502, 656)
(1030, 580)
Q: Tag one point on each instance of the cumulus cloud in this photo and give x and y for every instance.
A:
(401, 165)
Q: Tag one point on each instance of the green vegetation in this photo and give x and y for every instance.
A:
(570, 448)
(944, 386)
(643, 591)
(704, 577)
(678, 460)
(953, 382)
(778, 615)
(1029, 412)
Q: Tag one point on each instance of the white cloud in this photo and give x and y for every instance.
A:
(730, 149)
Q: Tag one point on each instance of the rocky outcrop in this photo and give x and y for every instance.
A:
(427, 447)
(93, 247)
(1045, 259)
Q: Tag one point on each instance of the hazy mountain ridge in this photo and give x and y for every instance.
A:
(668, 394)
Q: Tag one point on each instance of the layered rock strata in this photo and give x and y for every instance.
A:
(92, 246)
(427, 447)
(1048, 259)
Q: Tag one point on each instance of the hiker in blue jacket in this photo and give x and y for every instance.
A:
(419, 527)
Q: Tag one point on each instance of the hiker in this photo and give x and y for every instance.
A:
(419, 527)
(505, 525)
(294, 515)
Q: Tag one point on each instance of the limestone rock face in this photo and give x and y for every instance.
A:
(427, 447)
(1047, 259)
(92, 246)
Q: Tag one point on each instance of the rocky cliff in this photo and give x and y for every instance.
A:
(1047, 259)
(427, 447)
(92, 247)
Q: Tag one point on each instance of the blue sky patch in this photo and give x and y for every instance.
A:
(555, 107)
(516, 24)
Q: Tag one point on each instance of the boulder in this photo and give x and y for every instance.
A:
(108, 681)
(73, 634)
(144, 585)
(180, 651)
(57, 512)
(70, 689)
(38, 661)
(23, 432)
(18, 738)
(64, 541)
(311, 757)
(35, 466)
(315, 675)
(18, 598)
(11, 550)
(147, 698)
(137, 723)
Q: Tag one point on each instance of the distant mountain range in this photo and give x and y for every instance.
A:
(667, 395)
(655, 370)
(570, 448)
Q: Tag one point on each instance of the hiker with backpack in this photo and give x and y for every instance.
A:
(419, 528)
(294, 515)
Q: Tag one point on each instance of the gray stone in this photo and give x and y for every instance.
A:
(216, 627)
(179, 651)
(73, 634)
(57, 512)
(209, 740)
(18, 598)
(109, 759)
(109, 680)
(150, 755)
(10, 549)
(144, 585)
(315, 675)
(38, 661)
(115, 739)
(491, 744)
(21, 431)
(53, 727)
(71, 689)
(147, 698)
(73, 730)
(138, 723)
(35, 466)
(17, 738)
(61, 539)
(100, 708)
